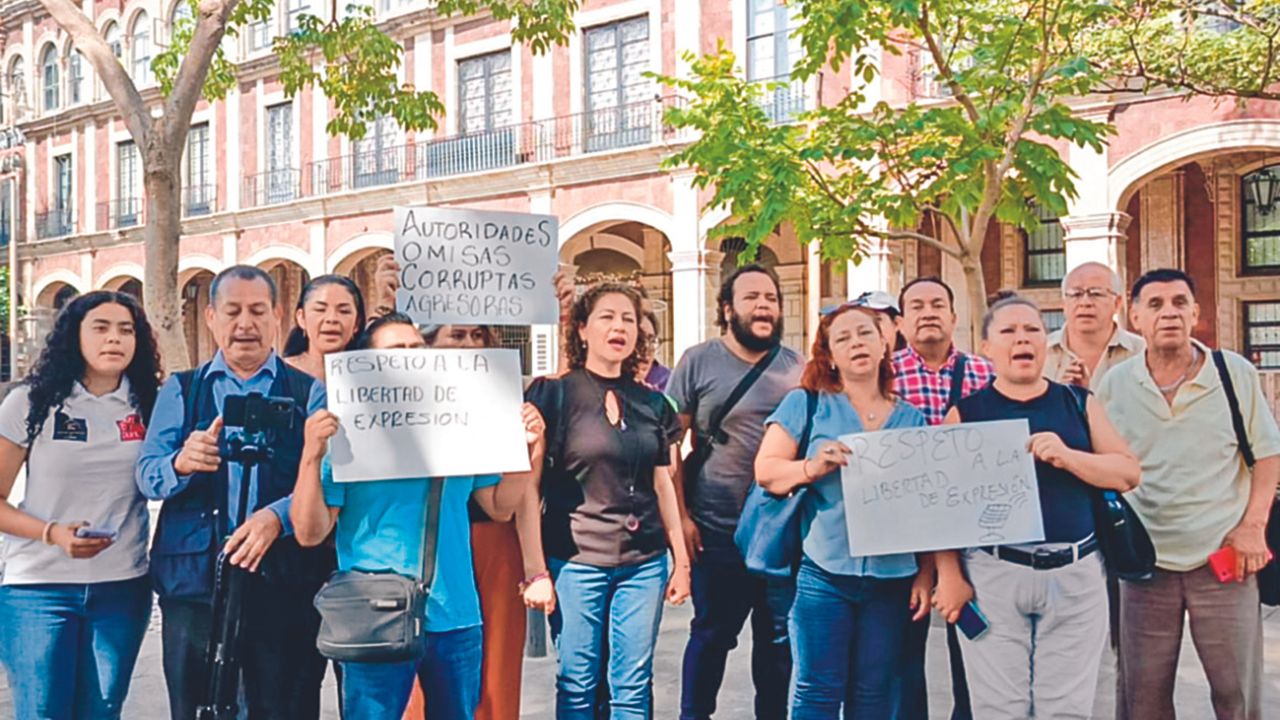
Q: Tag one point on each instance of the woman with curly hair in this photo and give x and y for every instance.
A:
(75, 597)
(610, 512)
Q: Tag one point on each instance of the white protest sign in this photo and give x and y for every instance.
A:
(476, 266)
(425, 413)
(933, 488)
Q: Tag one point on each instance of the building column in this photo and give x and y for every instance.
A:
(1097, 237)
(873, 272)
(689, 299)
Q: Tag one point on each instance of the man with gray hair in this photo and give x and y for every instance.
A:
(1091, 341)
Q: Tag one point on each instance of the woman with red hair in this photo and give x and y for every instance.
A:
(851, 612)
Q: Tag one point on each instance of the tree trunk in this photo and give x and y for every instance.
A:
(976, 292)
(161, 233)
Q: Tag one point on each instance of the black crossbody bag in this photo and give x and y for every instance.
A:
(702, 446)
(1269, 576)
(380, 617)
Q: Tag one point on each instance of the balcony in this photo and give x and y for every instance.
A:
(272, 187)
(120, 213)
(199, 200)
(55, 223)
(601, 130)
(785, 100)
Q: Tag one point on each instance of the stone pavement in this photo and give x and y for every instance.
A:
(147, 697)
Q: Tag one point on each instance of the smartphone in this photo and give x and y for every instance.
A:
(972, 622)
(1223, 564)
(90, 533)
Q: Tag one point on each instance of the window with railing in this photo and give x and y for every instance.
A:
(1260, 220)
(52, 81)
(1262, 334)
(376, 158)
(1053, 319)
(75, 77)
(198, 198)
(617, 58)
(6, 212)
(125, 207)
(1045, 258)
(280, 182)
(772, 51)
(140, 42)
(58, 220)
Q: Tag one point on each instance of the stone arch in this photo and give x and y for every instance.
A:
(191, 265)
(55, 278)
(116, 275)
(613, 213)
(357, 248)
(1126, 176)
(273, 254)
(587, 242)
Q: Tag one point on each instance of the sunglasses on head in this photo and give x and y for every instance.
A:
(877, 300)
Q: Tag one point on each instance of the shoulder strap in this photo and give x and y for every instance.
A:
(189, 382)
(811, 408)
(435, 492)
(297, 384)
(957, 381)
(714, 432)
(558, 424)
(1081, 397)
(1237, 420)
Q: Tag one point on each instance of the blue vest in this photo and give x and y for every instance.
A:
(193, 524)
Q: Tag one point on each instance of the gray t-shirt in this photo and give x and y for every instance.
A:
(702, 381)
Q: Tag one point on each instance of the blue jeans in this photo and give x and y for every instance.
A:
(627, 601)
(847, 632)
(724, 594)
(449, 672)
(70, 648)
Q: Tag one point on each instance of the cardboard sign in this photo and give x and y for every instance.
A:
(934, 488)
(476, 267)
(425, 413)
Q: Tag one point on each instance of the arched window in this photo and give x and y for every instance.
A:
(1260, 219)
(140, 40)
(181, 11)
(112, 36)
(75, 77)
(49, 76)
(17, 84)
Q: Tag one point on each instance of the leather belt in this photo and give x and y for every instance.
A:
(1044, 558)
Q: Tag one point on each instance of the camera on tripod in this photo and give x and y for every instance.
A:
(259, 417)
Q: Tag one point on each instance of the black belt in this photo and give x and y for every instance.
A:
(1044, 558)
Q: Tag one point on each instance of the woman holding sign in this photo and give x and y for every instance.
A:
(76, 598)
(850, 615)
(611, 511)
(1039, 605)
(380, 526)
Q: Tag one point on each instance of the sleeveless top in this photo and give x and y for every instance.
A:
(1065, 500)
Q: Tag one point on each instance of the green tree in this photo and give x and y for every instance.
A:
(349, 56)
(857, 170)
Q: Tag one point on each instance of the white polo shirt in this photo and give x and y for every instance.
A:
(81, 468)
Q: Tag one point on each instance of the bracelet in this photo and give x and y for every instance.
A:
(804, 470)
(522, 586)
(46, 536)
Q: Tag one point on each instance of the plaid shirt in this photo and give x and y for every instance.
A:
(929, 391)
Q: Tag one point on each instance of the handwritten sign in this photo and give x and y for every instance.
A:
(950, 486)
(476, 267)
(425, 413)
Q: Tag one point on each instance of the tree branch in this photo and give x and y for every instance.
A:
(117, 82)
(918, 237)
(944, 67)
(211, 24)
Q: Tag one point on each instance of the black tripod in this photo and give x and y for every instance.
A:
(222, 658)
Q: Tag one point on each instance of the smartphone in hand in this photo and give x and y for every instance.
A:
(972, 622)
(89, 533)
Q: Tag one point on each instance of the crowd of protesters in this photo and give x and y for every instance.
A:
(639, 475)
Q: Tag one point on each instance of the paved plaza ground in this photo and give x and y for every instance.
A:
(147, 697)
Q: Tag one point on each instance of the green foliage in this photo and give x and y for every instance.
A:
(353, 59)
(1212, 47)
(857, 168)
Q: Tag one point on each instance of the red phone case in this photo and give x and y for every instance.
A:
(1223, 563)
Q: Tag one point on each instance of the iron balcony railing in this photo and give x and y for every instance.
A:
(120, 213)
(199, 200)
(784, 98)
(598, 130)
(272, 187)
(57, 222)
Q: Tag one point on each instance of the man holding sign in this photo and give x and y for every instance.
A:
(1045, 603)
(380, 526)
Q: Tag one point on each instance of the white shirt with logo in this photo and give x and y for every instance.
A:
(80, 468)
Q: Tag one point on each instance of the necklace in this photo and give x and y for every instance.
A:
(1173, 386)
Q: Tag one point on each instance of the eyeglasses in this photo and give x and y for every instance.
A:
(877, 300)
(1075, 295)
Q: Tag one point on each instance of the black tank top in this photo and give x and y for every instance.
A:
(1065, 502)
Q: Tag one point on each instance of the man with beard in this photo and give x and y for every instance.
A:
(932, 375)
(749, 308)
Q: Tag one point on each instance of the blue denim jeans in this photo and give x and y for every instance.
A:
(724, 594)
(625, 601)
(847, 632)
(449, 672)
(70, 648)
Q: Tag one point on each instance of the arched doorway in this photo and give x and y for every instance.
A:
(289, 277)
(194, 298)
(630, 252)
(360, 267)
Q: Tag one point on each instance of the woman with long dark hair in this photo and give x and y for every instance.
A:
(610, 508)
(851, 611)
(75, 598)
(329, 317)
